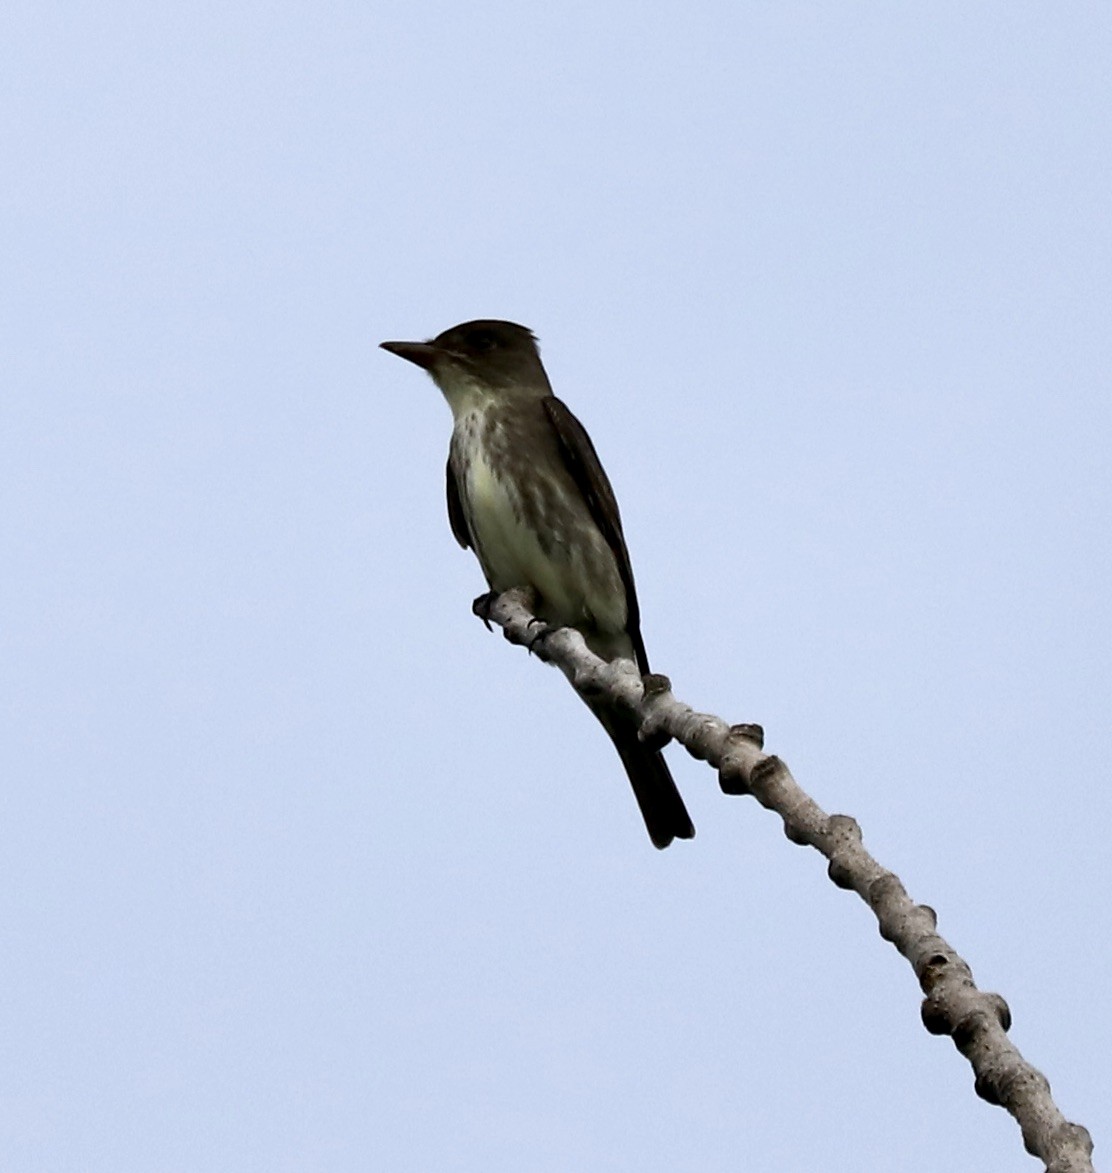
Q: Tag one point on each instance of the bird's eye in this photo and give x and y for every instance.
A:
(482, 341)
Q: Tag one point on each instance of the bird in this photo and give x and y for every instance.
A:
(528, 494)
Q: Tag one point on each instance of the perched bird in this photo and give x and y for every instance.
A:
(527, 493)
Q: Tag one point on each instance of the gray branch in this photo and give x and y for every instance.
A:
(976, 1021)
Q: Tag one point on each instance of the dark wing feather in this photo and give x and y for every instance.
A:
(457, 519)
(583, 463)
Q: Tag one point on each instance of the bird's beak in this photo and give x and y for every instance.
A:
(424, 354)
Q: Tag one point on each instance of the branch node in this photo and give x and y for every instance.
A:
(968, 1027)
(654, 730)
(933, 969)
(935, 1015)
(732, 780)
(740, 758)
(589, 681)
(985, 1086)
(1070, 1135)
(655, 738)
(884, 888)
(765, 771)
(753, 733)
(840, 873)
(1000, 1008)
(843, 828)
(700, 734)
(796, 832)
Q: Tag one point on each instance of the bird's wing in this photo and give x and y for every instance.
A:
(457, 519)
(586, 470)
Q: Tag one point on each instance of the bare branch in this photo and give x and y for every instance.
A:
(976, 1021)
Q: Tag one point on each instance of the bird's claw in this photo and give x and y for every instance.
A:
(482, 605)
(543, 629)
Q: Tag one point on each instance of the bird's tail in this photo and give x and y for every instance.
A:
(661, 805)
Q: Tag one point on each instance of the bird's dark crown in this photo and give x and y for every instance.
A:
(484, 336)
(499, 351)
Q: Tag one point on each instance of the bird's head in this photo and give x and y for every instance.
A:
(485, 355)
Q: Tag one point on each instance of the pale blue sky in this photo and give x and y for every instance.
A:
(300, 869)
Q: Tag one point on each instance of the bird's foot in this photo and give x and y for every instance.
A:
(539, 630)
(655, 683)
(482, 605)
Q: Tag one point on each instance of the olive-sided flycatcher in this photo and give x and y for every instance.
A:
(527, 493)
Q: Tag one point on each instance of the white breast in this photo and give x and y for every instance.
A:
(576, 579)
(511, 554)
